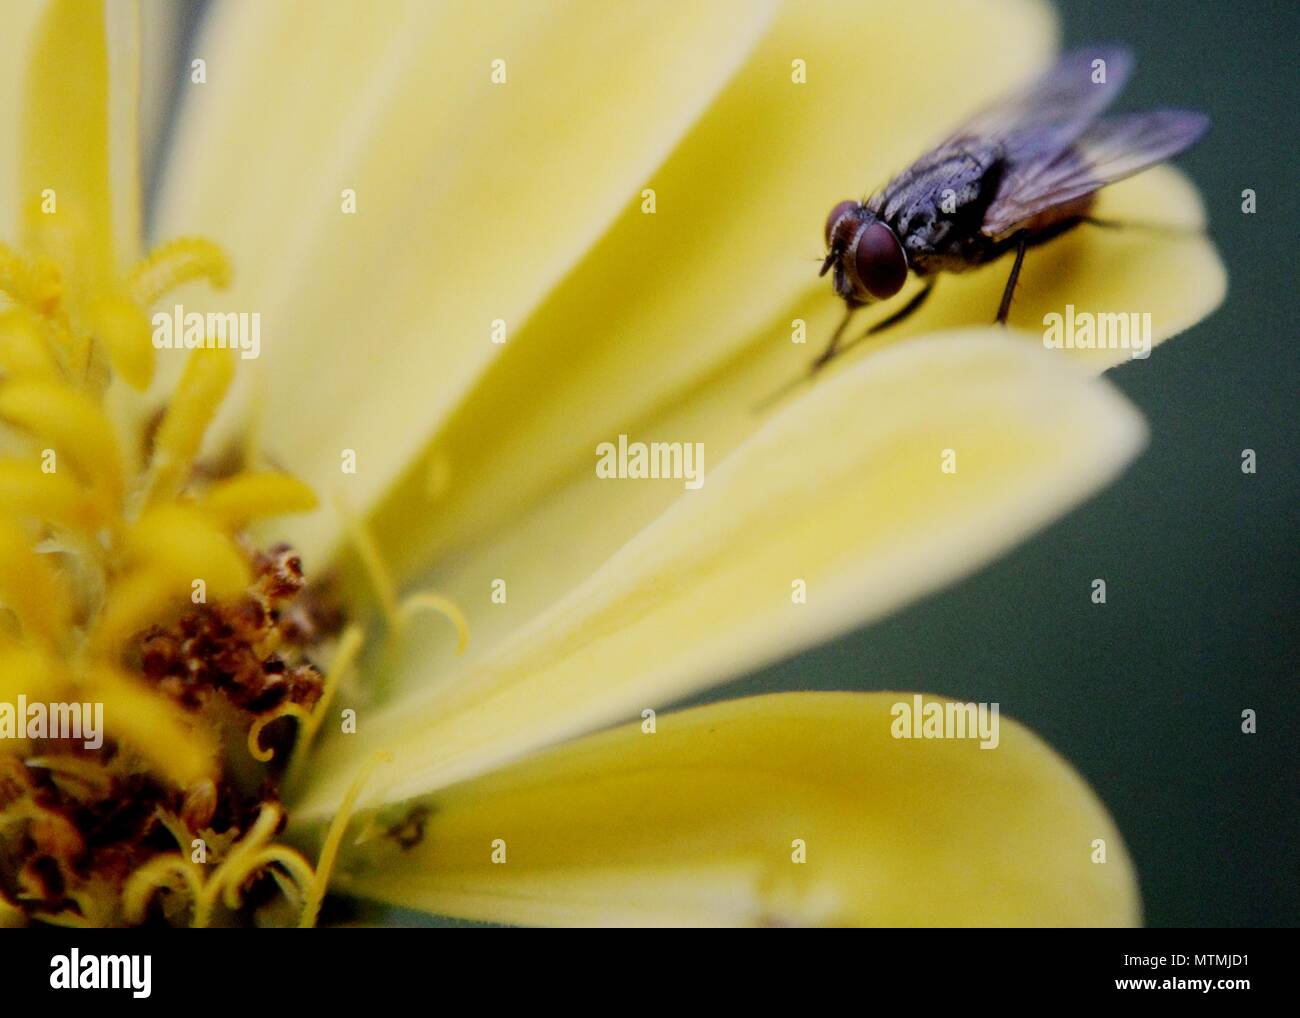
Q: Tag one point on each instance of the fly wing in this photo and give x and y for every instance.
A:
(1055, 108)
(1038, 121)
(1107, 150)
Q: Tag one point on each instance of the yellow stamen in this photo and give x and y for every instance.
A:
(89, 773)
(27, 490)
(129, 563)
(32, 589)
(395, 614)
(135, 600)
(69, 919)
(286, 710)
(175, 827)
(444, 606)
(334, 837)
(268, 819)
(182, 543)
(199, 393)
(35, 285)
(298, 868)
(73, 422)
(251, 453)
(10, 915)
(27, 671)
(159, 730)
(121, 326)
(371, 561)
(167, 550)
(345, 655)
(253, 853)
(247, 497)
(178, 261)
(132, 563)
(25, 349)
(153, 877)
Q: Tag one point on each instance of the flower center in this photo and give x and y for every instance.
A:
(158, 676)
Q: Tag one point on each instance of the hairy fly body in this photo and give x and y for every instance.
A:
(1018, 174)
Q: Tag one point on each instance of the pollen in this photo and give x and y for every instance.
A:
(130, 589)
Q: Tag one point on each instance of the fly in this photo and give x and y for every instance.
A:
(1017, 174)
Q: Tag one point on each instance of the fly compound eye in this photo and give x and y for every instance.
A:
(839, 210)
(879, 261)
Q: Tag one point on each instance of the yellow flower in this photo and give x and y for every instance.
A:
(625, 197)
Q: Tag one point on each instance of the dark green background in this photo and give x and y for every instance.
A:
(1144, 695)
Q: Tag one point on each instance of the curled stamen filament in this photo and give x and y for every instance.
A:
(178, 261)
(291, 861)
(445, 606)
(154, 876)
(395, 614)
(309, 722)
(250, 855)
(344, 656)
(334, 837)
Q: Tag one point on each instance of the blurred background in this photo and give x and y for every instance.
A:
(1144, 695)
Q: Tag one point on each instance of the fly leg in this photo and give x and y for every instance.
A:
(1004, 309)
(833, 345)
(906, 311)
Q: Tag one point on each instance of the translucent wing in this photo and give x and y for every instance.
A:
(1055, 108)
(1107, 150)
(1032, 124)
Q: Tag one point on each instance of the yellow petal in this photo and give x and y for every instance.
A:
(161, 47)
(1160, 264)
(564, 393)
(488, 520)
(70, 208)
(845, 491)
(472, 198)
(700, 823)
(664, 300)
